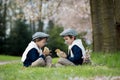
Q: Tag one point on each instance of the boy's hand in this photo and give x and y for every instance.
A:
(46, 51)
(60, 53)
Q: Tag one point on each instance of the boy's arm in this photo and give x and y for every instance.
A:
(34, 55)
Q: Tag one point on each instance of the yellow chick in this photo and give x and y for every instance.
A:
(60, 53)
(46, 51)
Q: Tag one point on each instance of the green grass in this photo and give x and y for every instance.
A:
(109, 60)
(8, 58)
(103, 65)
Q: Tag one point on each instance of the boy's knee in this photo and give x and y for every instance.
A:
(48, 57)
(65, 62)
(61, 60)
(48, 61)
(38, 62)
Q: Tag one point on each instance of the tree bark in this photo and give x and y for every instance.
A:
(109, 32)
(3, 7)
(3, 19)
(117, 18)
(103, 22)
(96, 25)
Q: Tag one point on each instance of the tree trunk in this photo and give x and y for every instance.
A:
(109, 32)
(40, 25)
(2, 23)
(96, 24)
(104, 34)
(32, 26)
(118, 36)
(117, 18)
(2, 19)
(4, 16)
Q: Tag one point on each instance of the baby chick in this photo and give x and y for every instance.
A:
(60, 53)
(46, 51)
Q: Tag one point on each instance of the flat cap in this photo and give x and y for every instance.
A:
(69, 31)
(39, 35)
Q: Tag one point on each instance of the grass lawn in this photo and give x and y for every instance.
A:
(103, 65)
(8, 58)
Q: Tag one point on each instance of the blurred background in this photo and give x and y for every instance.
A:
(19, 19)
(94, 21)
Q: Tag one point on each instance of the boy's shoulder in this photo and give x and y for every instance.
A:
(75, 47)
(77, 42)
(33, 50)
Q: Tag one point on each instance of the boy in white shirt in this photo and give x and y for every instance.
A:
(33, 54)
(76, 50)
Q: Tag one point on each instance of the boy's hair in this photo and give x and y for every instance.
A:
(39, 39)
(70, 36)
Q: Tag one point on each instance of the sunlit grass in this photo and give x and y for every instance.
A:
(109, 60)
(103, 65)
(8, 58)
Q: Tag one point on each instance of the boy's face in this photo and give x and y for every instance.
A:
(41, 43)
(68, 40)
